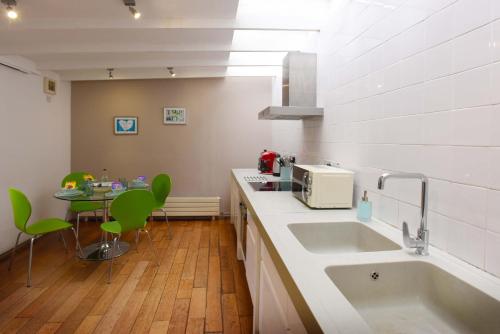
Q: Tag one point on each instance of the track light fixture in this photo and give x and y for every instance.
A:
(171, 71)
(11, 9)
(11, 13)
(131, 7)
(135, 13)
(110, 73)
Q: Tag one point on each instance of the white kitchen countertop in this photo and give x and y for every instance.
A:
(332, 311)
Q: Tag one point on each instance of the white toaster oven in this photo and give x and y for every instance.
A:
(323, 187)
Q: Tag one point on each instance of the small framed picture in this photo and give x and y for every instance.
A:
(174, 115)
(49, 86)
(126, 125)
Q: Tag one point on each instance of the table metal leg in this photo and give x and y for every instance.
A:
(103, 250)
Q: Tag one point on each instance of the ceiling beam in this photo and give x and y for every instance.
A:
(61, 65)
(262, 23)
(152, 73)
(40, 49)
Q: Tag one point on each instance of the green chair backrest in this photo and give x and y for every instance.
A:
(21, 207)
(78, 177)
(161, 187)
(132, 208)
(75, 176)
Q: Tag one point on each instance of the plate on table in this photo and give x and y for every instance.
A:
(69, 192)
(112, 194)
(138, 185)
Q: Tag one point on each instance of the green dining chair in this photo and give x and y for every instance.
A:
(131, 210)
(21, 207)
(161, 187)
(82, 206)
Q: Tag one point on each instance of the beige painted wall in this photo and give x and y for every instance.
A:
(222, 131)
(34, 147)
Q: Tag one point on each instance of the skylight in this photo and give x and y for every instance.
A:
(256, 58)
(282, 9)
(252, 71)
(275, 40)
(271, 28)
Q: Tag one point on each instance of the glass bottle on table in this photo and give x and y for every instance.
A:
(104, 175)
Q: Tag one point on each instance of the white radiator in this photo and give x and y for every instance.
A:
(192, 207)
(185, 207)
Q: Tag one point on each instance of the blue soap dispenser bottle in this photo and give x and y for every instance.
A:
(365, 208)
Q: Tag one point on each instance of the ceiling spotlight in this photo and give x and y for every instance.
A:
(11, 9)
(131, 7)
(11, 13)
(171, 71)
(135, 13)
(110, 73)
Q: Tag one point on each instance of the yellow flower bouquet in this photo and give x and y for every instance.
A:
(70, 185)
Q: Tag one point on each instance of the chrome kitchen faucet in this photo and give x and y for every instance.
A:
(421, 242)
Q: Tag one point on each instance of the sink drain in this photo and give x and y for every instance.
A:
(374, 275)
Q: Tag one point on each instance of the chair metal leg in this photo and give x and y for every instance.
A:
(61, 235)
(137, 241)
(115, 240)
(78, 247)
(152, 246)
(32, 240)
(77, 227)
(95, 216)
(14, 250)
(118, 244)
(168, 224)
(151, 222)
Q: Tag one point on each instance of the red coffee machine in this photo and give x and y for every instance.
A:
(266, 162)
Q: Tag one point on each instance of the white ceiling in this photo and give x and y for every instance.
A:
(199, 38)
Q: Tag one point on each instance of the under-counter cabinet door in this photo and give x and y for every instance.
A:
(235, 204)
(277, 314)
(272, 316)
(294, 322)
(236, 217)
(252, 261)
(252, 266)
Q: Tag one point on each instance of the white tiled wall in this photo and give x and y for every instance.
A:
(414, 86)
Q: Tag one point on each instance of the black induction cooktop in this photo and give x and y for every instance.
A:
(272, 186)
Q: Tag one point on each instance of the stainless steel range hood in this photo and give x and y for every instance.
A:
(298, 89)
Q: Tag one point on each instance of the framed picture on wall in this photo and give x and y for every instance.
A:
(49, 86)
(174, 115)
(126, 125)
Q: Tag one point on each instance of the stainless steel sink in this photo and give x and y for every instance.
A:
(415, 297)
(343, 237)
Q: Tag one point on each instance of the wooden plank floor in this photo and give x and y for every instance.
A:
(199, 286)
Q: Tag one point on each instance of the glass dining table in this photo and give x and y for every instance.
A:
(101, 250)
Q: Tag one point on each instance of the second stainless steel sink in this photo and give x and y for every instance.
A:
(342, 237)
